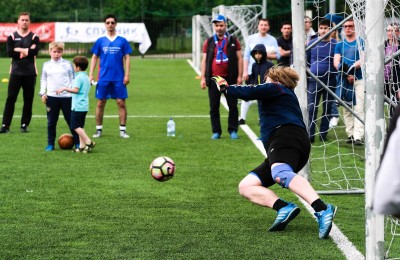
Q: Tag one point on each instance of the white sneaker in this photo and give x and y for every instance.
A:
(123, 134)
(333, 122)
(98, 134)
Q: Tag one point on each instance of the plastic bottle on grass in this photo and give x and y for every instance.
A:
(170, 127)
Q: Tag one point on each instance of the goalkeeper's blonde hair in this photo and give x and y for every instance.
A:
(283, 75)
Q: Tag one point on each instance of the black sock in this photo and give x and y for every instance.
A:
(279, 204)
(318, 205)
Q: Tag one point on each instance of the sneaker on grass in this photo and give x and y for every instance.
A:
(284, 216)
(123, 134)
(98, 134)
(325, 219)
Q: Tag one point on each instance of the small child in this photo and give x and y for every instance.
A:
(80, 103)
(258, 72)
(56, 73)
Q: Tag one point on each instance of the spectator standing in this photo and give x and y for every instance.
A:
(222, 56)
(320, 60)
(114, 74)
(259, 69)
(310, 33)
(285, 43)
(347, 55)
(22, 46)
(56, 73)
(333, 122)
(272, 48)
(392, 69)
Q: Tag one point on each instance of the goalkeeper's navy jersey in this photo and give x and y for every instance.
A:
(111, 55)
(278, 106)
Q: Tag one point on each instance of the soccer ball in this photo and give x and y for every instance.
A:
(66, 141)
(162, 168)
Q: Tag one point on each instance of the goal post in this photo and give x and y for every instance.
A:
(374, 122)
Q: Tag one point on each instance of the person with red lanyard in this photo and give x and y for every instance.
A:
(222, 56)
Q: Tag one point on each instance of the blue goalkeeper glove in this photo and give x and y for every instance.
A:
(221, 83)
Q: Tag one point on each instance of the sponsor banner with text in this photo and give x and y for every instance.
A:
(45, 31)
(81, 32)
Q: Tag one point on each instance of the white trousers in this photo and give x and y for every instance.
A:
(244, 108)
(355, 127)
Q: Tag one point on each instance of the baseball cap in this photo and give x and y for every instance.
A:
(219, 18)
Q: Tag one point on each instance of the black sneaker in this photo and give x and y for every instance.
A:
(4, 130)
(242, 122)
(350, 140)
(358, 142)
(24, 128)
(323, 138)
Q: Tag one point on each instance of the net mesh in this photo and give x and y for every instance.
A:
(338, 165)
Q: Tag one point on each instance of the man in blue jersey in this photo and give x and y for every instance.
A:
(113, 52)
(320, 62)
(347, 55)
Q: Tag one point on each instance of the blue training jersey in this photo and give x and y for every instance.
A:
(350, 54)
(111, 54)
(278, 105)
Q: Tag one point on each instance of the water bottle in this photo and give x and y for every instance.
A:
(170, 127)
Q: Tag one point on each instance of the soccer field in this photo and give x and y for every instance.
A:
(105, 205)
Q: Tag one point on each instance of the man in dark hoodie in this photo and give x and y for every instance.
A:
(260, 67)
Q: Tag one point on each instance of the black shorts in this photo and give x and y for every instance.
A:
(78, 119)
(289, 144)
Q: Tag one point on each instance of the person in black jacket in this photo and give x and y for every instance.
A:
(22, 46)
(260, 67)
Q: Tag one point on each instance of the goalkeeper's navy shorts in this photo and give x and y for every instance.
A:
(289, 144)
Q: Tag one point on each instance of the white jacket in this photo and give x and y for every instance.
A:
(56, 74)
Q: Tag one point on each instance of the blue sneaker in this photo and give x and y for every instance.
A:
(49, 148)
(284, 216)
(325, 219)
(215, 136)
(234, 135)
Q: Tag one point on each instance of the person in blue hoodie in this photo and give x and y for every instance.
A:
(258, 70)
(287, 144)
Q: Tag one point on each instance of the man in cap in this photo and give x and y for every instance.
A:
(221, 57)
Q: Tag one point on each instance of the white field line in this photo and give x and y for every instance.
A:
(342, 242)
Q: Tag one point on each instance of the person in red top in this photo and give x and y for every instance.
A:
(222, 56)
(22, 46)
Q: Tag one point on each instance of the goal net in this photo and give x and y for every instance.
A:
(338, 163)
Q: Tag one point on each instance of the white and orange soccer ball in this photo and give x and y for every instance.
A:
(162, 168)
